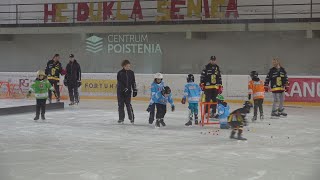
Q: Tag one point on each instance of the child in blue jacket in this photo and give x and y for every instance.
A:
(160, 100)
(223, 112)
(192, 91)
(156, 86)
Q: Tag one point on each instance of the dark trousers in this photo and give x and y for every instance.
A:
(125, 99)
(258, 103)
(41, 106)
(55, 85)
(152, 112)
(73, 93)
(211, 94)
(161, 110)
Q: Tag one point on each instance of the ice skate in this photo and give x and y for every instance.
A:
(254, 118)
(157, 124)
(196, 119)
(151, 121)
(162, 122)
(71, 104)
(120, 121)
(241, 138)
(282, 113)
(132, 121)
(43, 117)
(36, 118)
(189, 123)
(262, 117)
(275, 115)
(232, 135)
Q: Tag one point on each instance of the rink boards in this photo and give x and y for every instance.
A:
(20, 106)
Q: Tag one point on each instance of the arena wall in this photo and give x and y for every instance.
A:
(304, 89)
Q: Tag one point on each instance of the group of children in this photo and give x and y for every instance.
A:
(161, 95)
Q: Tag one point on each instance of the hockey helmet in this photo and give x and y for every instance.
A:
(254, 74)
(220, 97)
(166, 90)
(41, 73)
(190, 78)
(247, 104)
(158, 76)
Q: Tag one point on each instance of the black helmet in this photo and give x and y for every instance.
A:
(190, 78)
(254, 74)
(166, 90)
(247, 104)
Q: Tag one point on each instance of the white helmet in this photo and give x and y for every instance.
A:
(158, 76)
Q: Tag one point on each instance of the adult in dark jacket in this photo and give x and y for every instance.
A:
(73, 79)
(126, 85)
(53, 71)
(278, 80)
(211, 82)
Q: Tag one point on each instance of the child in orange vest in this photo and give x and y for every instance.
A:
(256, 90)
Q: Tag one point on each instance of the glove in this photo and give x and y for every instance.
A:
(266, 88)
(79, 83)
(29, 94)
(183, 101)
(202, 86)
(135, 93)
(63, 72)
(287, 86)
(149, 108)
(249, 96)
(173, 108)
(65, 82)
(220, 89)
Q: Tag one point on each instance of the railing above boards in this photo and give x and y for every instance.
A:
(154, 11)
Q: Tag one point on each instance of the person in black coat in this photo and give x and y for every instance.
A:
(73, 79)
(126, 85)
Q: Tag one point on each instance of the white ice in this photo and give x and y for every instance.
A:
(86, 143)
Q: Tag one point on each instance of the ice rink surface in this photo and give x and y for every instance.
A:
(86, 143)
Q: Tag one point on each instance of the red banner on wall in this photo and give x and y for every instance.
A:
(304, 90)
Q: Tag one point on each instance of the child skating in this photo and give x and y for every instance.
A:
(40, 88)
(237, 120)
(256, 91)
(160, 100)
(156, 86)
(192, 92)
(223, 112)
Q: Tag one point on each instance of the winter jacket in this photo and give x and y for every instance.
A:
(159, 98)
(211, 76)
(126, 80)
(73, 74)
(278, 79)
(256, 88)
(192, 91)
(223, 110)
(40, 88)
(155, 87)
(53, 70)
